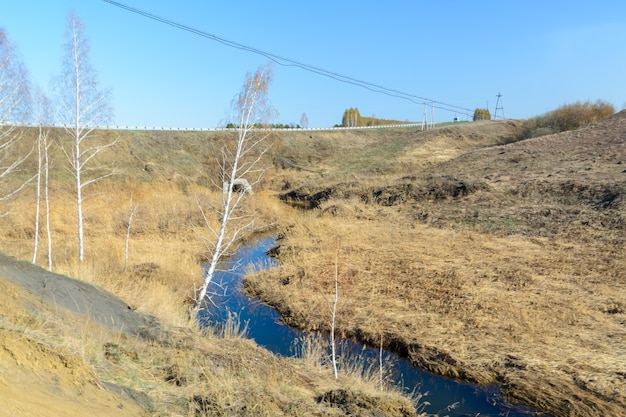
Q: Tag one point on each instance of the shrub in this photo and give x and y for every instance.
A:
(567, 117)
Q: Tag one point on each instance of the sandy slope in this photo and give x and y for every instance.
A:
(39, 376)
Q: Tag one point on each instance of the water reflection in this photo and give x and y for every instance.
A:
(266, 329)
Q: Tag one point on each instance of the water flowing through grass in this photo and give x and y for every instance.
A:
(235, 313)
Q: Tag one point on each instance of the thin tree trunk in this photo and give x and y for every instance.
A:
(250, 104)
(47, 198)
(79, 209)
(77, 159)
(217, 252)
(38, 199)
(380, 362)
(130, 222)
(84, 107)
(334, 313)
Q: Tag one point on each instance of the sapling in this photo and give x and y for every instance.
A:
(237, 162)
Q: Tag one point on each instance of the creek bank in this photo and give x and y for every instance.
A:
(429, 358)
(267, 328)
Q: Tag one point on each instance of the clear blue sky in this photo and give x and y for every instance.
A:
(537, 54)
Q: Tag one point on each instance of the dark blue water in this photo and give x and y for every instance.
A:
(444, 396)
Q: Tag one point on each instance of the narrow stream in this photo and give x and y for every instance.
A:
(267, 330)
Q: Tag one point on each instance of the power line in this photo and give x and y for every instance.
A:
(290, 62)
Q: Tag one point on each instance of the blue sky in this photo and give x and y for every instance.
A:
(537, 54)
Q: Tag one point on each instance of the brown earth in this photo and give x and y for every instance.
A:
(474, 257)
(43, 379)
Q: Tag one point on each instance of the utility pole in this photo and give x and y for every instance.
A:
(432, 114)
(498, 107)
(424, 118)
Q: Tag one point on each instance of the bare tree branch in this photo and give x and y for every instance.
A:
(82, 107)
(14, 107)
(237, 161)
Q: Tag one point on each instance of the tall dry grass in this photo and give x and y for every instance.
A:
(496, 305)
(163, 251)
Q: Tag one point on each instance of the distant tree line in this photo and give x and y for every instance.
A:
(482, 114)
(231, 125)
(352, 118)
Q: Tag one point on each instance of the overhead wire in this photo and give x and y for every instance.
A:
(282, 61)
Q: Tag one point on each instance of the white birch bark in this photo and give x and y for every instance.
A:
(38, 192)
(131, 214)
(43, 108)
(47, 201)
(83, 107)
(252, 109)
(14, 108)
(333, 343)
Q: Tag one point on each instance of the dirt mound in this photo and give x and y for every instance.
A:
(46, 379)
(76, 296)
(358, 404)
(35, 381)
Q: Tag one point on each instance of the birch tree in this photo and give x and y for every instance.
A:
(333, 313)
(240, 171)
(83, 106)
(44, 120)
(14, 108)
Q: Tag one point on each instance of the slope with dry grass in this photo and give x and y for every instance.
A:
(58, 360)
(478, 260)
(85, 351)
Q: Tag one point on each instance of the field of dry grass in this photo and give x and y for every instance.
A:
(474, 258)
(81, 367)
(55, 362)
(487, 262)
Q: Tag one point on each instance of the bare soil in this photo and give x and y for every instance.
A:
(38, 378)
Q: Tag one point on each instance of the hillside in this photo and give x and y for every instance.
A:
(475, 258)
(472, 256)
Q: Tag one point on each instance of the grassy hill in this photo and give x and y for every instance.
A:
(472, 256)
(475, 257)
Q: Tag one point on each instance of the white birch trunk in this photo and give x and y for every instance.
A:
(47, 198)
(83, 107)
(334, 316)
(130, 222)
(77, 140)
(38, 197)
(250, 104)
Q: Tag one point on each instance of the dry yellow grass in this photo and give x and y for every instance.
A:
(57, 363)
(163, 251)
(518, 279)
(179, 369)
(504, 264)
(502, 309)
